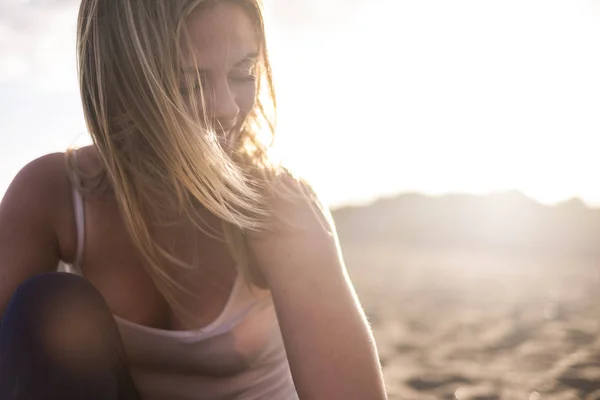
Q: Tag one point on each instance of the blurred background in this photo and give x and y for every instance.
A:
(455, 142)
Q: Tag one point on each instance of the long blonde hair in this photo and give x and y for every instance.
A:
(159, 167)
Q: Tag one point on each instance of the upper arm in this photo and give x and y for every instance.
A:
(28, 241)
(329, 344)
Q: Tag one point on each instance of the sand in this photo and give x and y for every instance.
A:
(467, 324)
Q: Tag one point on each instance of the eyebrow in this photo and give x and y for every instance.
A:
(250, 57)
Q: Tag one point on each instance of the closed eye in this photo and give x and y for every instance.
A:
(243, 77)
(244, 72)
(193, 83)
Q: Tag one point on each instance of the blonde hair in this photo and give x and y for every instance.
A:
(158, 165)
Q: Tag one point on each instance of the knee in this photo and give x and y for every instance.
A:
(61, 312)
(53, 283)
(49, 296)
(55, 289)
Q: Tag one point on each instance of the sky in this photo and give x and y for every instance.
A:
(376, 97)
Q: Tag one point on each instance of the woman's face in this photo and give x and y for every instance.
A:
(225, 48)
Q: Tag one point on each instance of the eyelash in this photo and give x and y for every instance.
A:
(245, 78)
(250, 77)
(193, 87)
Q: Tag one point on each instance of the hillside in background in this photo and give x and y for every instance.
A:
(507, 221)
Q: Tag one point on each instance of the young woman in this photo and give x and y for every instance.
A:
(198, 268)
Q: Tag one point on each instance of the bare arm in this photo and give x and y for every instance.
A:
(28, 243)
(330, 347)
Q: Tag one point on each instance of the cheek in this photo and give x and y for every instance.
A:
(246, 99)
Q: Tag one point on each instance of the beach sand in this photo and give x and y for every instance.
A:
(469, 324)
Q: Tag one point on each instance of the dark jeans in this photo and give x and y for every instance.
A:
(59, 340)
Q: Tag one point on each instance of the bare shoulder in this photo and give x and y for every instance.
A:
(300, 233)
(42, 182)
(39, 197)
(296, 206)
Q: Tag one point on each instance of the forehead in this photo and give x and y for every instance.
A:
(221, 35)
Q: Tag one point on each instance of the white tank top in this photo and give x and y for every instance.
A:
(239, 356)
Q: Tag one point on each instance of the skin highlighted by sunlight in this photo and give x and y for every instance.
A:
(192, 251)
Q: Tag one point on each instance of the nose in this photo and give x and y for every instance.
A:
(224, 106)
